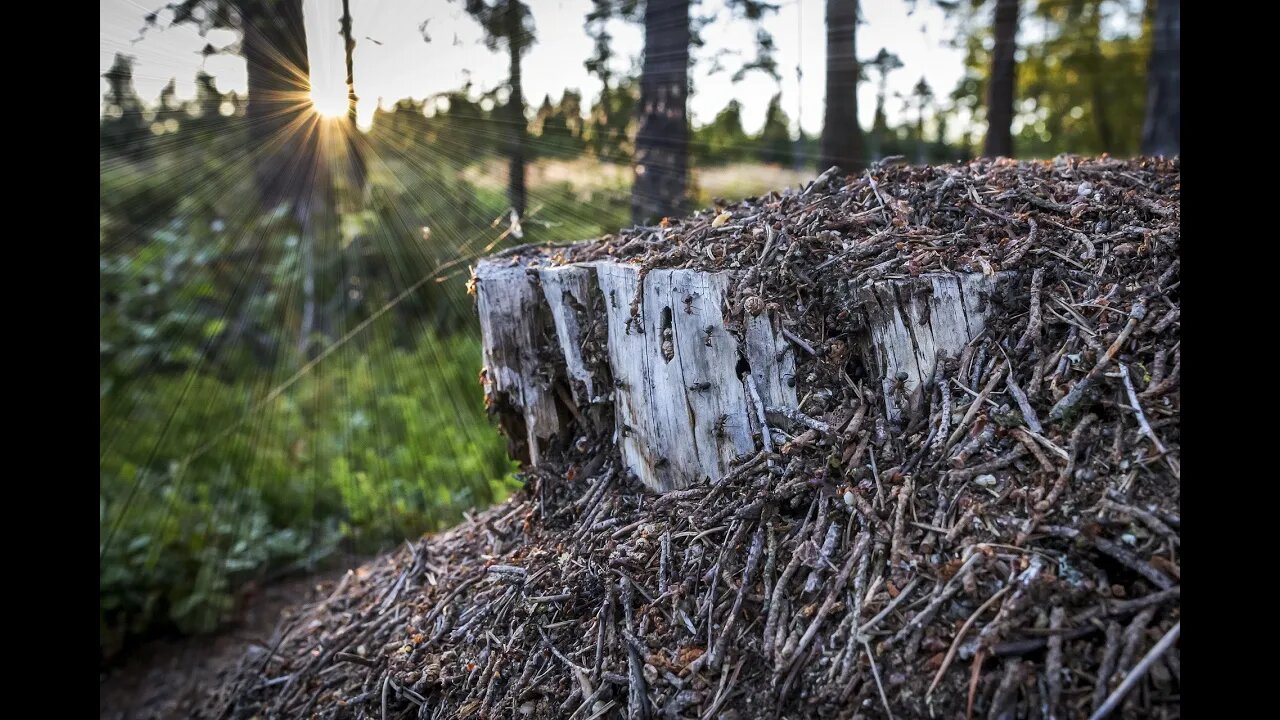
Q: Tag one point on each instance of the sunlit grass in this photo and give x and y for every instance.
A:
(587, 175)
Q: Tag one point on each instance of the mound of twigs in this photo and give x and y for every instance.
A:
(1008, 547)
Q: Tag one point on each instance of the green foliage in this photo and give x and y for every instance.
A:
(722, 140)
(774, 144)
(1081, 84)
(610, 131)
(1084, 86)
(215, 482)
(557, 129)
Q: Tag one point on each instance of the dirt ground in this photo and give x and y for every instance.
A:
(170, 677)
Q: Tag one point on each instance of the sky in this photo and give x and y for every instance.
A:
(393, 61)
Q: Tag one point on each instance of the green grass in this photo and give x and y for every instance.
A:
(372, 447)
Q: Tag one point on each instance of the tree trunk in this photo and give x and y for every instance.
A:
(662, 142)
(921, 156)
(1162, 129)
(282, 134)
(354, 147)
(515, 106)
(842, 142)
(1001, 86)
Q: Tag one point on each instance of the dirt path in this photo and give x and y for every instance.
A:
(167, 678)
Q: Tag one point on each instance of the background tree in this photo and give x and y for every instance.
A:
(774, 144)
(1162, 128)
(662, 138)
(610, 126)
(842, 141)
(723, 140)
(1000, 89)
(558, 127)
(1083, 82)
(661, 154)
(123, 128)
(883, 63)
(509, 23)
(283, 143)
(279, 116)
(355, 146)
(922, 96)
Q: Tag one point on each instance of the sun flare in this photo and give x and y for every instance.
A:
(329, 103)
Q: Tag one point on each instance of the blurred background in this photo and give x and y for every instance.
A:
(292, 193)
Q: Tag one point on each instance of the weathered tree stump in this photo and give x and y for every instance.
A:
(649, 357)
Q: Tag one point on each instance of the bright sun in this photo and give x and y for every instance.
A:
(329, 103)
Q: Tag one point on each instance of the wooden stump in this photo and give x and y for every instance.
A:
(913, 323)
(599, 348)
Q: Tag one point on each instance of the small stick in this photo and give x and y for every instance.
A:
(974, 444)
(944, 593)
(636, 699)
(799, 418)
(1024, 404)
(897, 545)
(1138, 672)
(1064, 477)
(1121, 607)
(748, 576)
(875, 672)
(875, 188)
(999, 463)
(1029, 443)
(1118, 553)
(1136, 406)
(820, 180)
(1073, 396)
(902, 595)
(974, 407)
(779, 588)
(1133, 636)
(944, 420)
(1053, 661)
(1166, 321)
(1032, 333)
(1005, 690)
(836, 589)
(754, 392)
(1110, 652)
(955, 644)
(799, 341)
(768, 244)
(1147, 518)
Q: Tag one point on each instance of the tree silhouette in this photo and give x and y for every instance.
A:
(662, 140)
(842, 142)
(1161, 131)
(1000, 89)
(355, 148)
(883, 63)
(509, 23)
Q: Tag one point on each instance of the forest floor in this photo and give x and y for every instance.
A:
(171, 677)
